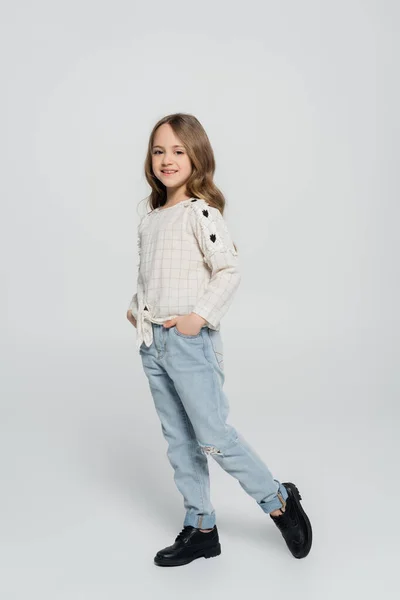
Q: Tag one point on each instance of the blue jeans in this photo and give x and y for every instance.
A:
(186, 376)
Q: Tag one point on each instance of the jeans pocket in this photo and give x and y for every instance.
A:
(184, 335)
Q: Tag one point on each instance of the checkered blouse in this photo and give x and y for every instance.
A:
(188, 263)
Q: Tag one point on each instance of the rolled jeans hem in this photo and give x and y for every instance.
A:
(199, 521)
(275, 503)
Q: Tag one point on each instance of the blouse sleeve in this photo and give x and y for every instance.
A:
(214, 239)
(133, 305)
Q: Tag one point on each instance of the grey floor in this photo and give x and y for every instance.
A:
(88, 495)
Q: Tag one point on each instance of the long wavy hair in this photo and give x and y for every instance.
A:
(200, 183)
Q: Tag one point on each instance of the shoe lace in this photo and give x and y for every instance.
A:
(184, 531)
(283, 521)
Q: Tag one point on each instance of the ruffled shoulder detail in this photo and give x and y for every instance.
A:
(208, 221)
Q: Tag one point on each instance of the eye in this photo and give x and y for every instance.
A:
(180, 152)
(156, 151)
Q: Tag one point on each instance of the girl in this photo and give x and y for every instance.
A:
(188, 274)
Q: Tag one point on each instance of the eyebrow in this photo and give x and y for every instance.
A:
(175, 146)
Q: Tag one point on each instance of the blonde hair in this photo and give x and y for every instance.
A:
(200, 183)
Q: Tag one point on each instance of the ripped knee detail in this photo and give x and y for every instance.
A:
(210, 450)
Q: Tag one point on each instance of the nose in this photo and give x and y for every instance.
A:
(166, 160)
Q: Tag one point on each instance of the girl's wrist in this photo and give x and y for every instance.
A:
(198, 318)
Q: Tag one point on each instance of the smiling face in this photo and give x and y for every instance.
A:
(170, 161)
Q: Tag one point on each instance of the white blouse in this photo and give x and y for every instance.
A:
(188, 263)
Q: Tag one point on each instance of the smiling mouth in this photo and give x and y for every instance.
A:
(168, 172)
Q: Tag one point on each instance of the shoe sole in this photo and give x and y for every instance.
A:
(205, 552)
(296, 497)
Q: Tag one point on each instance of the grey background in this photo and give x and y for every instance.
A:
(300, 101)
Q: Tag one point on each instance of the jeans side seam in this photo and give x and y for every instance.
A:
(254, 458)
(194, 446)
(216, 385)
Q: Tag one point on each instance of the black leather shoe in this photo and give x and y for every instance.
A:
(189, 544)
(294, 524)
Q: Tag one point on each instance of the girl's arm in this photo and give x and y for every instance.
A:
(133, 305)
(215, 241)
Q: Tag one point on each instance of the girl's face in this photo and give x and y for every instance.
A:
(169, 154)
